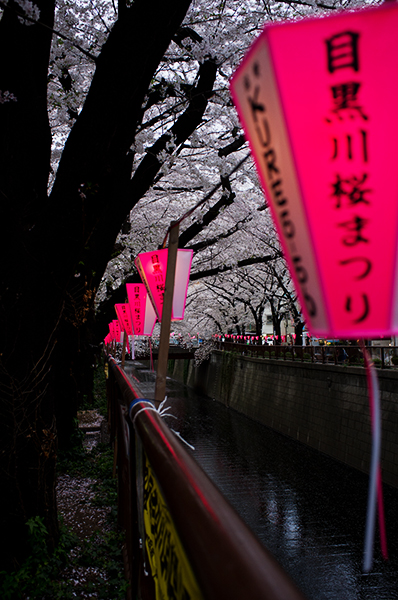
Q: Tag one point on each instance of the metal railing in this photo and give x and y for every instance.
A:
(338, 355)
(183, 539)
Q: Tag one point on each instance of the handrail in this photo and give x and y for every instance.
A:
(330, 354)
(226, 558)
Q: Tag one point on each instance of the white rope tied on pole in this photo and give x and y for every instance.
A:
(162, 412)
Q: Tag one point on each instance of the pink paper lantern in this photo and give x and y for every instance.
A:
(143, 316)
(112, 330)
(124, 317)
(317, 101)
(117, 330)
(152, 267)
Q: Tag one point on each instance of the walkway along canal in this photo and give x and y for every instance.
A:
(305, 507)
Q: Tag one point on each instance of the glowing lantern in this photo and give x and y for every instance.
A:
(111, 330)
(143, 316)
(316, 98)
(152, 267)
(124, 317)
(117, 330)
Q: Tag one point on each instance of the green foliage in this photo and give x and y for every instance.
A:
(36, 577)
(104, 552)
(39, 577)
(306, 356)
(357, 362)
(394, 360)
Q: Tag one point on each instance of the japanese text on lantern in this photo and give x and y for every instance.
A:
(126, 319)
(158, 277)
(270, 164)
(116, 325)
(137, 311)
(350, 189)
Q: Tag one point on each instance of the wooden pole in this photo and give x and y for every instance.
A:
(161, 372)
(124, 348)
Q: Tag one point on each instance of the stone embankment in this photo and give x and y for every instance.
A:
(323, 406)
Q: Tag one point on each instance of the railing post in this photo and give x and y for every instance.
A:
(161, 372)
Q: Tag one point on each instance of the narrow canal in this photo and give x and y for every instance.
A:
(307, 509)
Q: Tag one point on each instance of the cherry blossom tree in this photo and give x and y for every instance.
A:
(232, 229)
(114, 119)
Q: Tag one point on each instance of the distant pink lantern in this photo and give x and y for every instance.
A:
(112, 330)
(317, 100)
(117, 330)
(124, 317)
(143, 315)
(152, 267)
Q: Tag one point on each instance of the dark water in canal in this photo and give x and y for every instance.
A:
(307, 509)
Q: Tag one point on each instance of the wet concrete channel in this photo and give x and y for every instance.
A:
(306, 508)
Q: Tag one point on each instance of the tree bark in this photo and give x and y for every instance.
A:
(57, 248)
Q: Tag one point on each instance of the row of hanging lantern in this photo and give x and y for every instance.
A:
(138, 316)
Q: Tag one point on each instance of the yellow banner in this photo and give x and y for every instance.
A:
(172, 574)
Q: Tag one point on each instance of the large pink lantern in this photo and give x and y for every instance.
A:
(152, 267)
(317, 99)
(124, 317)
(142, 312)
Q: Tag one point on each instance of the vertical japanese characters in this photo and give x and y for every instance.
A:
(160, 279)
(350, 190)
(123, 314)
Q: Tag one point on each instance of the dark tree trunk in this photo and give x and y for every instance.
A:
(56, 249)
(29, 306)
(298, 330)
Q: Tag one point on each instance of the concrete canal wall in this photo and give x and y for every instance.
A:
(324, 406)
